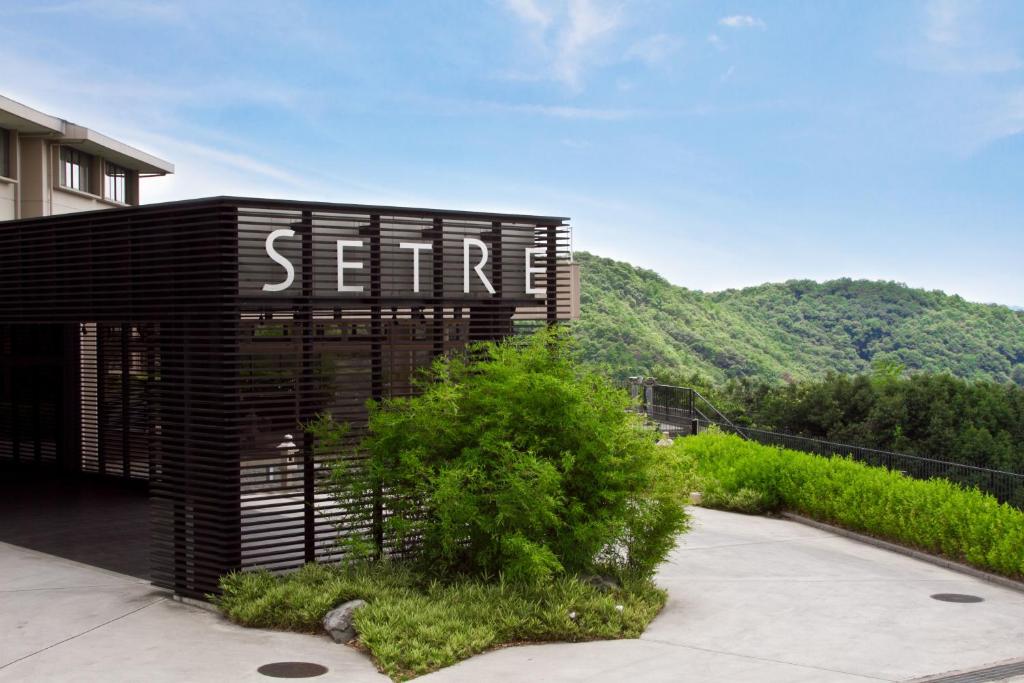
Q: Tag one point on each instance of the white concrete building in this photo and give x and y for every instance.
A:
(50, 166)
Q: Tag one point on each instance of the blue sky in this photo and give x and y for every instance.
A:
(722, 144)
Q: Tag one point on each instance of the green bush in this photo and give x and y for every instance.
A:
(412, 626)
(745, 500)
(514, 459)
(936, 515)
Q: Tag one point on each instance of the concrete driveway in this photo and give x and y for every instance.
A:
(760, 600)
(750, 599)
(65, 621)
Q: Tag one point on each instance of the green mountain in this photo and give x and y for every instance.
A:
(634, 321)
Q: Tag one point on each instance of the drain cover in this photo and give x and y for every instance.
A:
(957, 597)
(292, 670)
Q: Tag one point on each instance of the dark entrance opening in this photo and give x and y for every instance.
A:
(97, 521)
(60, 402)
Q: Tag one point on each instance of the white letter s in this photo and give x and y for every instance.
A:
(289, 269)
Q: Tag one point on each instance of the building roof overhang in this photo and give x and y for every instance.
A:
(115, 151)
(28, 121)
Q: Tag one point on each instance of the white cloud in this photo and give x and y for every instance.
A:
(716, 40)
(566, 112)
(741, 21)
(568, 34)
(119, 9)
(1003, 118)
(573, 143)
(462, 107)
(231, 159)
(655, 49)
(152, 117)
(202, 171)
(941, 24)
(285, 23)
(588, 23)
(955, 38)
(529, 12)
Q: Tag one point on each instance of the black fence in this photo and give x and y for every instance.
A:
(682, 410)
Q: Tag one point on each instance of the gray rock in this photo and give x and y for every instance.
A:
(603, 583)
(338, 622)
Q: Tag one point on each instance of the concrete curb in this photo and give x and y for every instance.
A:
(910, 552)
(991, 670)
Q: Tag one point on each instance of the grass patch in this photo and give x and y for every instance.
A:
(413, 626)
(935, 515)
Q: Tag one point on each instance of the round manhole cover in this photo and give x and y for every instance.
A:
(292, 670)
(957, 597)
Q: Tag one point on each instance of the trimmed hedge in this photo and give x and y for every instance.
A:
(933, 515)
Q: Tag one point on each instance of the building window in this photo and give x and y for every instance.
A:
(74, 169)
(115, 183)
(5, 153)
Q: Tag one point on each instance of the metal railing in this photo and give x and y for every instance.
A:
(673, 405)
(683, 411)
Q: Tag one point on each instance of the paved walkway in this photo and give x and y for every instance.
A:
(760, 600)
(65, 621)
(751, 599)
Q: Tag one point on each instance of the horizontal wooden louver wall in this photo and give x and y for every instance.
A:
(174, 364)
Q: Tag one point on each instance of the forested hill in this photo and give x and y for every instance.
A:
(634, 321)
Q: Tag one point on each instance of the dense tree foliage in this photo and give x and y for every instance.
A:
(634, 322)
(936, 415)
(871, 363)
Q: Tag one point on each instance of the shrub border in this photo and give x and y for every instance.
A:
(988, 577)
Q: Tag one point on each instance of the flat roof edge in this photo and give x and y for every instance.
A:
(32, 116)
(117, 151)
(386, 209)
(297, 204)
(31, 121)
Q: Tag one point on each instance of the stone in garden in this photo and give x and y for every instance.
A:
(339, 621)
(602, 583)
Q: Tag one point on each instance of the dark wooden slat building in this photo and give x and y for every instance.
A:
(184, 344)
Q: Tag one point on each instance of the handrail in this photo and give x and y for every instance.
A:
(719, 413)
(678, 407)
(839, 446)
(640, 384)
